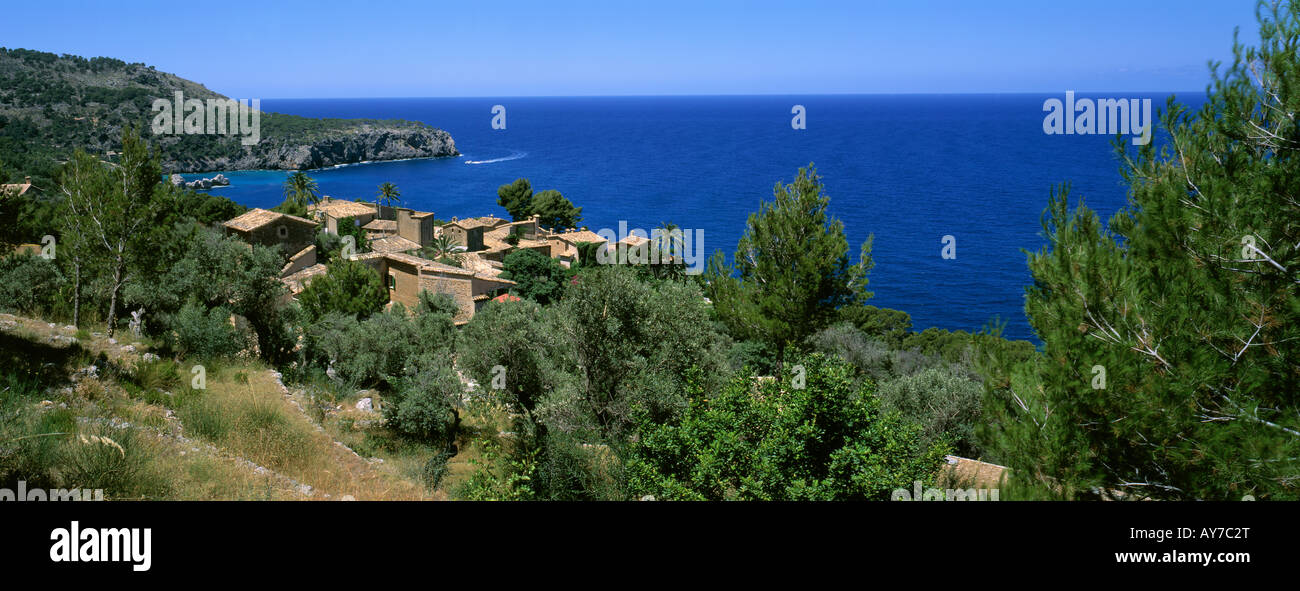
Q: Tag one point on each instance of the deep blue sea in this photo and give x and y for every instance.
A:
(908, 168)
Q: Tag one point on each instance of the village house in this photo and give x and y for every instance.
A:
(377, 229)
(469, 232)
(492, 238)
(387, 229)
(406, 276)
(16, 189)
(506, 238)
(564, 245)
(270, 228)
(296, 281)
(416, 226)
(294, 236)
(329, 211)
(407, 231)
(396, 234)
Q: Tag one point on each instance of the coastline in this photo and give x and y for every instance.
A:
(336, 166)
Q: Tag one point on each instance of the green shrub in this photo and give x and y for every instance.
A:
(197, 332)
(435, 469)
(755, 356)
(202, 416)
(570, 469)
(945, 403)
(49, 449)
(869, 356)
(776, 440)
(884, 324)
(538, 277)
(29, 284)
(425, 406)
(350, 288)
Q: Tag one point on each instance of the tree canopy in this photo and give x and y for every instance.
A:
(552, 208)
(792, 269)
(1171, 334)
(349, 287)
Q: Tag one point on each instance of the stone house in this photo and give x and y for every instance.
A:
(564, 245)
(388, 229)
(269, 228)
(469, 232)
(416, 226)
(16, 189)
(330, 210)
(497, 243)
(406, 276)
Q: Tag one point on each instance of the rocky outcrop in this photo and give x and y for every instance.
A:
(202, 184)
(367, 143)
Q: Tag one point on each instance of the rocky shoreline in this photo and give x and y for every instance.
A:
(206, 183)
(366, 144)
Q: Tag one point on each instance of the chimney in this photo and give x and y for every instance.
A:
(27, 180)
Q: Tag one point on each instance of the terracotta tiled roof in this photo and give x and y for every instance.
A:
(577, 236)
(415, 261)
(424, 264)
(258, 217)
(342, 208)
(381, 225)
(486, 221)
(15, 190)
(634, 240)
(300, 280)
(479, 265)
(494, 279)
(393, 244)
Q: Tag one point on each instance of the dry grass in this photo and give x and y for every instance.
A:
(407, 459)
(238, 439)
(244, 412)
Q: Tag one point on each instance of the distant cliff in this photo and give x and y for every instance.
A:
(360, 141)
(53, 104)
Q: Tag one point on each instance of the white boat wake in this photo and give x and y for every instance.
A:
(512, 156)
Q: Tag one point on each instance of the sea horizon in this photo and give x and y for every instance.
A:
(1108, 92)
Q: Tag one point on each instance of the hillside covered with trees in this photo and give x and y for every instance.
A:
(52, 104)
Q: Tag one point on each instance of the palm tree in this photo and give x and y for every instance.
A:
(301, 189)
(670, 247)
(669, 244)
(388, 194)
(441, 246)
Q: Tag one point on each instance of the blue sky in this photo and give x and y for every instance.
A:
(530, 48)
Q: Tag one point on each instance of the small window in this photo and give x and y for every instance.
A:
(392, 281)
(283, 231)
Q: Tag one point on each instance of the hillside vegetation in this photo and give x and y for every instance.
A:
(52, 104)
